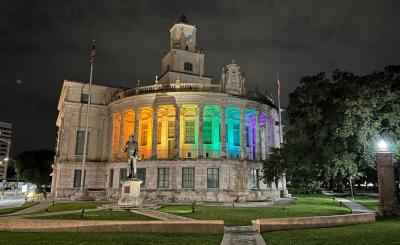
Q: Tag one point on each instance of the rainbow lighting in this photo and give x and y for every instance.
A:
(198, 139)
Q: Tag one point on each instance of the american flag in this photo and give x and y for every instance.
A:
(93, 54)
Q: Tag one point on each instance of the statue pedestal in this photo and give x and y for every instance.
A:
(130, 195)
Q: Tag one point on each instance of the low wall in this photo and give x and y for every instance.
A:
(177, 227)
(262, 225)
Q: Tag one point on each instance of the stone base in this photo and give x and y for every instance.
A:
(130, 193)
(285, 193)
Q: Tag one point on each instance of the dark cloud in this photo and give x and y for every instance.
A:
(43, 42)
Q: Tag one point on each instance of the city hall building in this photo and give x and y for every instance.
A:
(198, 140)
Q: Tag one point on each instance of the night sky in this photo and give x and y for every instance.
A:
(44, 42)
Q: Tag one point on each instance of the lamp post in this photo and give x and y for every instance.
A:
(388, 197)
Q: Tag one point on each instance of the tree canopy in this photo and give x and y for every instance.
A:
(35, 166)
(336, 121)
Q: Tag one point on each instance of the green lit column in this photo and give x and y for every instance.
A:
(177, 128)
(154, 134)
(224, 153)
(258, 136)
(200, 108)
(243, 132)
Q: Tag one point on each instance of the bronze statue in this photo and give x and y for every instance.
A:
(131, 148)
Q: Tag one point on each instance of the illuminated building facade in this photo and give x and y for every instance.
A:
(198, 141)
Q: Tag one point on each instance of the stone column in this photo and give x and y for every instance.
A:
(177, 128)
(121, 136)
(222, 139)
(258, 136)
(154, 133)
(388, 196)
(243, 132)
(200, 142)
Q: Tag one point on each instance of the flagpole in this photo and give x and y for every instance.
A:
(279, 110)
(87, 122)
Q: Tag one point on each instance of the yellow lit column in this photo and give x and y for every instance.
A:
(177, 128)
(154, 134)
(224, 153)
(200, 108)
(136, 125)
(243, 132)
(258, 136)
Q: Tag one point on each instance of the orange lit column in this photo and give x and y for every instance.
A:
(200, 109)
(243, 132)
(154, 134)
(136, 125)
(121, 135)
(258, 136)
(177, 128)
(223, 133)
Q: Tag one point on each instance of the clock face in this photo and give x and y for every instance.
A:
(187, 33)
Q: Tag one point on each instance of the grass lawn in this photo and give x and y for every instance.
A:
(98, 215)
(69, 206)
(384, 231)
(30, 238)
(305, 205)
(15, 209)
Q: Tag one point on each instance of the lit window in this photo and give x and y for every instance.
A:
(236, 134)
(122, 175)
(171, 130)
(207, 132)
(247, 136)
(187, 177)
(143, 135)
(159, 133)
(80, 139)
(189, 132)
(188, 66)
(212, 177)
(163, 178)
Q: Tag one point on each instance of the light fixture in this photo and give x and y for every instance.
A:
(382, 145)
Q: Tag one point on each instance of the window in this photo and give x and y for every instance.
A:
(159, 133)
(122, 175)
(84, 98)
(77, 178)
(236, 134)
(143, 135)
(141, 174)
(163, 178)
(171, 130)
(247, 136)
(207, 132)
(188, 66)
(189, 132)
(187, 177)
(254, 176)
(111, 178)
(212, 177)
(80, 139)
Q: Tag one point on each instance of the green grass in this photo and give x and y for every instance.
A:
(30, 238)
(305, 205)
(98, 215)
(69, 206)
(15, 209)
(369, 202)
(384, 231)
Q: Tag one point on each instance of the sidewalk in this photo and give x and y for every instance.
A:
(353, 206)
(160, 215)
(42, 205)
(239, 235)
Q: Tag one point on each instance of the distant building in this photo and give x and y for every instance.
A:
(198, 140)
(5, 141)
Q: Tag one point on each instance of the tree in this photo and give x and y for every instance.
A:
(274, 167)
(336, 121)
(35, 166)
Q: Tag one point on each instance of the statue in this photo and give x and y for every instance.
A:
(131, 148)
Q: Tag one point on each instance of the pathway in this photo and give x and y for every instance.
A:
(160, 215)
(355, 207)
(241, 235)
(42, 205)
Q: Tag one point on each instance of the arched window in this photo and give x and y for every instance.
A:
(188, 66)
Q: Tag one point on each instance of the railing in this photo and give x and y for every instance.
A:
(190, 87)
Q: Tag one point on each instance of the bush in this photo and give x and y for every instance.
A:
(310, 188)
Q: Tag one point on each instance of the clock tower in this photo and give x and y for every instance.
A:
(184, 62)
